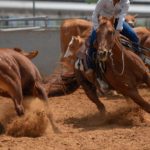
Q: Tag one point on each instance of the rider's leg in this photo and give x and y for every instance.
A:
(130, 34)
(91, 50)
(91, 65)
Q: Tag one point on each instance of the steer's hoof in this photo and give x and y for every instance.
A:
(20, 110)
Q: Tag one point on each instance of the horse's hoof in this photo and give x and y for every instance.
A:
(102, 111)
(2, 129)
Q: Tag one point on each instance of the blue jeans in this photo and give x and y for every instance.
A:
(130, 34)
(127, 32)
(91, 50)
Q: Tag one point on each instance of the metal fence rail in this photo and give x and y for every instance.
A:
(41, 21)
(48, 22)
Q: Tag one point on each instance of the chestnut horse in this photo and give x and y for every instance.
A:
(124, 69)
(75, 27)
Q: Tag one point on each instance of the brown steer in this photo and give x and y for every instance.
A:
(18, 76)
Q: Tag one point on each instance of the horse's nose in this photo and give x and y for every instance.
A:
(102, 52)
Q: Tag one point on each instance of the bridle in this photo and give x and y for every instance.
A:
(117, 42)
(109, 54)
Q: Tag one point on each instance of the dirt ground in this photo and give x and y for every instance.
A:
(82, 126)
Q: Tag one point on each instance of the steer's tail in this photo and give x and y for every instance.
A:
(39, 91)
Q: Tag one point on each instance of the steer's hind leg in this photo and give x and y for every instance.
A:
(90, 91)
(17, 99)
(14, 89)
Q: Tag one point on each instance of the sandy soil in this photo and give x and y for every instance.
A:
(82, 126)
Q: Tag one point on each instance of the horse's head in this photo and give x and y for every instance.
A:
(105, 38)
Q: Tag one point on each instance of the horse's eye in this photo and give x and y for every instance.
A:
(114, 32)
(110, 32)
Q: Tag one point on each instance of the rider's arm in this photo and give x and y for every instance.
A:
(124, 10)
(96, 14)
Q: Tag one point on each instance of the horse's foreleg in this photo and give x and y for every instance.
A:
(90, 91)
(92, 95)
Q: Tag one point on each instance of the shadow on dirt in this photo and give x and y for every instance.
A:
(122, 118)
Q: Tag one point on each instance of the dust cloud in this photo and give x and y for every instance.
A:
(33, 124)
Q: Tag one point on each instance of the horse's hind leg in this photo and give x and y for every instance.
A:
(147, 79)
(2, 129)
(134, 95)
(90, 91)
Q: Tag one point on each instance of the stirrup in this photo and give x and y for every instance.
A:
(144, 58)
(103, 84)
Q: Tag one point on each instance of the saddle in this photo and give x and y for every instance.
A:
(144, 51)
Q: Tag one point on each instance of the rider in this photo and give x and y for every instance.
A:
(110, 8)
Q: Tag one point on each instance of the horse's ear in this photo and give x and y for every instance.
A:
(112, 20)
(102, 19)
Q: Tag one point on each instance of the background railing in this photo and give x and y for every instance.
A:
(42, 21)
(31, 13)
(48, 22)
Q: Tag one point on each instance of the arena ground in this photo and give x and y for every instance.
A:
(82, 126)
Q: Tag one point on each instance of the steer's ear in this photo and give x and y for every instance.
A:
(135, 15)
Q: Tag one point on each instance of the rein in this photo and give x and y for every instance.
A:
(122, 56)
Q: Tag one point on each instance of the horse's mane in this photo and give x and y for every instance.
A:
(104, 20)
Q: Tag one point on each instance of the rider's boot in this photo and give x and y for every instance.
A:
(144, 58)
(89, 73)
(138, 51)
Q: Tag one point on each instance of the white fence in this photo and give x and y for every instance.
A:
(45, 40)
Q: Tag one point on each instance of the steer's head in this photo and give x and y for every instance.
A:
(131, 20)
(76, 44)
